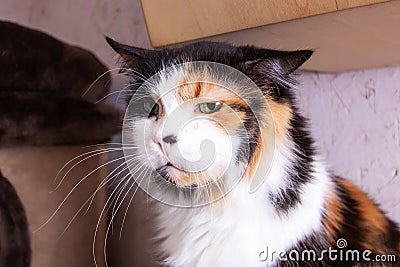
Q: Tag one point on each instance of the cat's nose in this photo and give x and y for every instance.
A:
(170, 139)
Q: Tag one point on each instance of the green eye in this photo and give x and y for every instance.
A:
(151, 108)
(211, 107)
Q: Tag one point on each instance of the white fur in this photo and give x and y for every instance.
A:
(235, 232)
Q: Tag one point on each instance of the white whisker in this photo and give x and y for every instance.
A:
(72, 190)
(91, 153)
(127, 208)
(98, 78)
(109, 225)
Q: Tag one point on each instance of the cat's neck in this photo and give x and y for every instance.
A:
(241, 215)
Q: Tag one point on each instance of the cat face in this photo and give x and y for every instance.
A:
(190, 133)
(190, 124)
(197, 113)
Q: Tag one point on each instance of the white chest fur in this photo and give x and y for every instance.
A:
(236, 230)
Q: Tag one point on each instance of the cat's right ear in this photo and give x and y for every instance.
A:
(131, 55)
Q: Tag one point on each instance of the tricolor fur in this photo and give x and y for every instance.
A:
(299, 206)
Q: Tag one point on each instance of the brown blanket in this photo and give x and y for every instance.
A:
(31, 60)
(43, 92)
(14, 234)
(32, 119)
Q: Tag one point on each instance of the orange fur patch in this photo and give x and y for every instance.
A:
(188, 179)
(334, 218)
(374, 220)
(282, 114)
(367, 207)
(182, 178)
(222, 94)
(213, 187)
(229, 120)
(190, 90)
(255, 160)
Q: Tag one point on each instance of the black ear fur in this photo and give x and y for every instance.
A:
(282, 62)
(291, 61)
(130, 54)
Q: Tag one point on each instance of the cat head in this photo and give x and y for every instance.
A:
(202, 115)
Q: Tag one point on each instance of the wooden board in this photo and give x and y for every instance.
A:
(360, 38)
(351, 39)
(174, 21)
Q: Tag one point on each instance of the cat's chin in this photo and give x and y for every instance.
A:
(178, 177)
(169, 172)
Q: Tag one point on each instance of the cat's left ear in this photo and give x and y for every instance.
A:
(131, 55)
(291, 61)
(282, 62)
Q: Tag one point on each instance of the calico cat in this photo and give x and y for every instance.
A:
(298, 215)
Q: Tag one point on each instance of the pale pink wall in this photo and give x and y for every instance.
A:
(19, 11)
(354, 116)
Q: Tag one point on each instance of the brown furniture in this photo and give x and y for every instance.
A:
(48, 116)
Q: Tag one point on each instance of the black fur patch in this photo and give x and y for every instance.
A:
(301, 172)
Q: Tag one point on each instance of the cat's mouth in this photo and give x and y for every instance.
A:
(165, 171)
